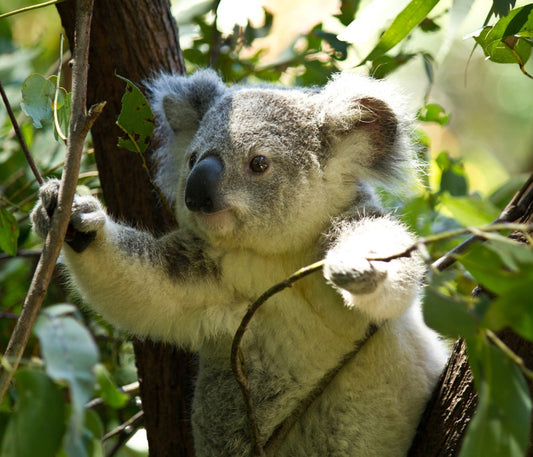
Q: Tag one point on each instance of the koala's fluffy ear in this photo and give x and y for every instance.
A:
(182, 101)
(362, 122)
(179, 103)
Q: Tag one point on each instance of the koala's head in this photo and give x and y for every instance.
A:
(266, 168)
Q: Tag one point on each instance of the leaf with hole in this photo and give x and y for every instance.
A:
(135, 119)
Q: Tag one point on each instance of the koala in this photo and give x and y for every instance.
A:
(265, 180)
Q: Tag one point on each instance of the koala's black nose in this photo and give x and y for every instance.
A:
(202, 188)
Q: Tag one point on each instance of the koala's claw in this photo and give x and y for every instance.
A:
(87, 216)
(356, 275)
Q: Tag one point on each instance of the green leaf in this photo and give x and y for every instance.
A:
(37, 99)
(348, 10)
(39, 399)
(70, 355)
(504, 42)
(502, 7)
(470, 211)
(9, 232)
(135, 119)
(407, 20)
(108, 389)
(433, 113)
(506, 269)
(500, 266)
(448, 316)
(500, 426)
(384, 65)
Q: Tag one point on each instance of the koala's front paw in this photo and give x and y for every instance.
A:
(86, 218)
(352, 273)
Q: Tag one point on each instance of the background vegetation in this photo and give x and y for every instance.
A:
(475, 128)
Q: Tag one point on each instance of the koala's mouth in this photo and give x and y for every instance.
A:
(223, 220)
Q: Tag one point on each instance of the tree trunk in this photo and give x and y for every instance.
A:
(135, 39)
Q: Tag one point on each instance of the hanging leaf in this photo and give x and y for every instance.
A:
(70, 355)
(37, 98)
(500, 426)
(9, 232)
(433, 113)
(38, 398)
(506, 42)
(135, 119)
(412, 15)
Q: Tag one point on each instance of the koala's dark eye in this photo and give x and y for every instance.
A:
(259, 164)
(192, 159)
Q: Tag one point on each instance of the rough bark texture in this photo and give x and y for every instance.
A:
(135, 39)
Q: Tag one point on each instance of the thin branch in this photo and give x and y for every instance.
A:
(125, 432)
(20, 137)
(237, 360)
(120, 429)
(81, 122)
(29, 8)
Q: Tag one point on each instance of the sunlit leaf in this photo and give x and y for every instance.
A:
(135, 119)
(70, 355)
(504, 42)
(9, 232)
(37, 98)
(433, 113)
(108, 389)
(500, 426)
(470, 211)
(407, 20)
(38, 399)
(500, 267)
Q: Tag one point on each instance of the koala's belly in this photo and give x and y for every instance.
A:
(371, 409)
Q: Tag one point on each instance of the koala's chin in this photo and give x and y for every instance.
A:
(222, 222)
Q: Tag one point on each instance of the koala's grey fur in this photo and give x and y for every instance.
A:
(321, 150)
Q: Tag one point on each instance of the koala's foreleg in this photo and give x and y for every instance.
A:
(162, 288)
(381, 289)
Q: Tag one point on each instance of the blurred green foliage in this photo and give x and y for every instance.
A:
(48, 386)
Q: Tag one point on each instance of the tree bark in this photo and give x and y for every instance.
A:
(136, 39)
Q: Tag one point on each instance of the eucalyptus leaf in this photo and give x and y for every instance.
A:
(500, 426)
(38, 398)
(135, 119)
(412, 15)
(448, 316)
(9, 232)
(107, 388)
(433, 112)
(468, 210)
(70, 355)
(37, 99)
